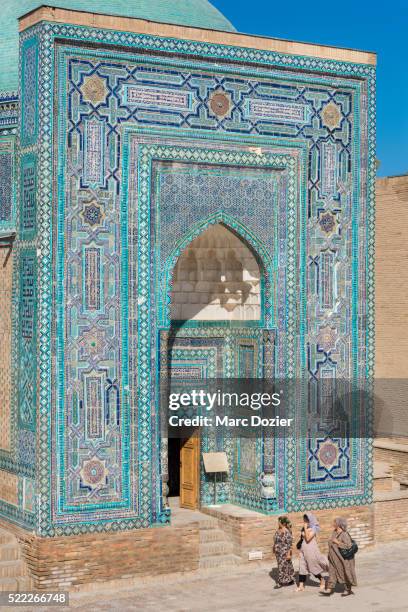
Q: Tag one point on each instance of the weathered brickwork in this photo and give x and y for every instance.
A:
(383, 484)
(391, 278)
(71, 561)
(391, 309)
(74, 560)
(390, 519)
(397, 459)
(255, 532)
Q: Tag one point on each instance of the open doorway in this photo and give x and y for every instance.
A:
(184, 471)
(173, 459)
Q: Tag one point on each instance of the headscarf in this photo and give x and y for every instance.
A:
(285, 521)
(313, 522)
(341, 522)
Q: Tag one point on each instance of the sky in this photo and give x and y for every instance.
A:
(372, 25)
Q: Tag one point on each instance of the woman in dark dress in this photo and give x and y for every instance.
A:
(283, 552)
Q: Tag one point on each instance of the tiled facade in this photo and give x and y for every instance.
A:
(154, 141)
(6, 268)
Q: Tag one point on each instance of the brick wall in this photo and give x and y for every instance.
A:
(256, 532)
(391, 278)
(56, 563)
(398, 460)
(390, 519)
(383, 484)
(391, 306)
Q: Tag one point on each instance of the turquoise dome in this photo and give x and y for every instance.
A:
(198, 13)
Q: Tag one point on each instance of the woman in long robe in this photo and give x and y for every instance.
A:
(311, 560)
(341, 571)
(283, 552)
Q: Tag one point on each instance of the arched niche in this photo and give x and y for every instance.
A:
(217, 277)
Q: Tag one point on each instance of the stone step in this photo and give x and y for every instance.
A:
(9, 552)
(212, 535)
(219, 561)
(383, 483)
(382, 469)
(11, 569)
(209, 523)
(25, 583)
(9, 584)
(396, 486)
(209, 549)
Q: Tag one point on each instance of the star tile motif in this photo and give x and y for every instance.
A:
(94, 89)
(94, 473)
(328, 454)
(220, 103)
(328, 222)
(331, 116)
(93, 213)
(327, 338)
(92, 343)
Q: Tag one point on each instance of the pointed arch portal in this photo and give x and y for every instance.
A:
(216, 310)
(230, 230)
(221, 297)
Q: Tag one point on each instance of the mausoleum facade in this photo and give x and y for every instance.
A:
(176, 199)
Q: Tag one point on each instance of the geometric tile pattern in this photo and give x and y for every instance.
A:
(17, 447)
(209, 190)
(29, 95)
(27, 351)
(10, 483)
(7, 181)
(6, 267)
(28, 197)
(73, 496)
(205, 352)
(8, 113)
(265, 111)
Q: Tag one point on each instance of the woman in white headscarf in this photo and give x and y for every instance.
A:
(311, 560)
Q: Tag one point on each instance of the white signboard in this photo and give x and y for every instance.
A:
(215, 462)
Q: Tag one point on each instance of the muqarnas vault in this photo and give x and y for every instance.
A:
(177, 201)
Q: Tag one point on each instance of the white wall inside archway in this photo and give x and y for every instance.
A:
(217, 278)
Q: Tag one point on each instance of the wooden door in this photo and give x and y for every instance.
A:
(190, 472)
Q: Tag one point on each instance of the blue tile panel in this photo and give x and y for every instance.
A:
(7, 182)
(285, 158)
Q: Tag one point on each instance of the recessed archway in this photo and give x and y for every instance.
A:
(216, 306)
